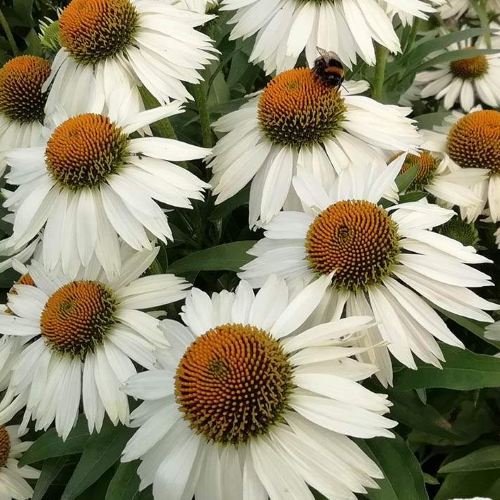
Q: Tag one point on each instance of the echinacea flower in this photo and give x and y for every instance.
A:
(385, 263)
(284, 28)
(300, 124)
(434, 176)
(13, 484)
(85, 333)
(455, 9)
(197, 5)
(239, 408)
(91, 182)
(22, 103)
(464, 81)
(472, 141)
(113, 46)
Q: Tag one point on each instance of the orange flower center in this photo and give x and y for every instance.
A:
(470, 68)
(233, 383)
(84, 150)
(297, 109)
(356, 240)
(474, 141)
(77, 317)
(93, 30)
(427, 165)
(4, 446)
(21, 81)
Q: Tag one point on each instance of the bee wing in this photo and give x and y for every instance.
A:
(322, 52)
(327, 54)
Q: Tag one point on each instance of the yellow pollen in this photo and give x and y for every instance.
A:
(5, 446)
(474, 141)
(84, 150)
(470, 68)
(77, 317)
(233, 383)
(297, 109)
(93, 30)
(357, 240)
(21, 81)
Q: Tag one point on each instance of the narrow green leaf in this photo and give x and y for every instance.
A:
(430, 480)
(409, 197)
(228, 257)
(403, 478)
(50, 470)
(125, 482)
(463, 371)
(403, 181)
(101, 452)
(50, 445)
(453, 55)
(484, 459)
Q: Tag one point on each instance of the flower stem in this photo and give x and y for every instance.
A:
(381, 54)
(482, 14)
(413, 33)
(163, 127)
(200, 96)
(8, 32)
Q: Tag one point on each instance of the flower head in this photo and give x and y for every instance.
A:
(383, 262)
(84, 333)
(300, 124)
(110, 46)
(93, 182)
(236, 396)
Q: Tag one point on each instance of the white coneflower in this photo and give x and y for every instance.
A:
(200, 6)
(300, 124)
(116, 45)
(454, 9)
(13, 484)
(22, 103)
(464, 81)
(92, 182)
(284, 28)
(239, 408)
(472, 141)
(84, 333)
(435, 177)
(385, 263)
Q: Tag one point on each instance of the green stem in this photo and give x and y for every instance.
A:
(200, 96)
(413, 33)
(163, 127)
(482, 14)
(381, 54)
(8, 32)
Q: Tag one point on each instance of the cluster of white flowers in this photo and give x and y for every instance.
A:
(257, 392)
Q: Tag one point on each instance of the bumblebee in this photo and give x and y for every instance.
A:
(329, 69)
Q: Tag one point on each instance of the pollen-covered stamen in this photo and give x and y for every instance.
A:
(77, 317)
(474, 141)
(21, 81)
(233, 383)
(470, 68)
(427, 165)
(84, 150)
(5, 446)
(357, 240)
(93, 30)
(297, 109)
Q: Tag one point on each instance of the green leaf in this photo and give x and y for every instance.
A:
(228, 206)
(50, 470)
(403, 181)
(34, 46)
(409, 410)
(228, 257)
(429, 120)
(102, 451)
(403, 478)
(453, 55)
(24, 8)
(430, 480)
(471, 325)
(484, 459)
(409, 197)
(463, 370)
(125, 482)
(470, 484)
(50, 445)
(441, 42)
